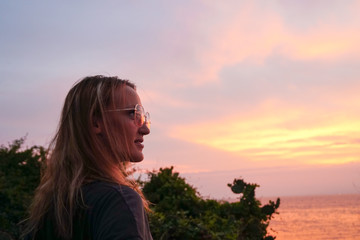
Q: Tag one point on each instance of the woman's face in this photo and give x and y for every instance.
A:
(134, 134)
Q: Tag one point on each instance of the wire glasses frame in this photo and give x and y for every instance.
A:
(140, 116)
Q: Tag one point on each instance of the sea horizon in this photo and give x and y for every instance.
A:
(265, 199)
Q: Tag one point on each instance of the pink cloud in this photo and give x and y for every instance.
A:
(158, 98)
(241, 35)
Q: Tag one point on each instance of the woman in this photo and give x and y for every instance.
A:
(84, 192)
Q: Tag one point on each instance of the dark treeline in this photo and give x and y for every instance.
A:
(178, 211)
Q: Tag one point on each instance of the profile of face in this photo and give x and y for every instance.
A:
(134, 133)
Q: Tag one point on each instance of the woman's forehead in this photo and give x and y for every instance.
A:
(127, 97)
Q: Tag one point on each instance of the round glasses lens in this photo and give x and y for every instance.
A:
(139, 115)
(147, 117)
(147, 120)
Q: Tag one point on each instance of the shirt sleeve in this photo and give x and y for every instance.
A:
(117, 214)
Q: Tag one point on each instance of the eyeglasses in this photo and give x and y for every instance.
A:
(140, 116)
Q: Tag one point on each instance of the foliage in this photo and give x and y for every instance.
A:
(19, 176)
(254, 219)
(180, 213)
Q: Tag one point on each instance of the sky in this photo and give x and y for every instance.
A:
(263, 90)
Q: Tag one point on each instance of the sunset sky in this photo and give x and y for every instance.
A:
(264, 90)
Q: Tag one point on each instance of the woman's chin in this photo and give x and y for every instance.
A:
(137, 157)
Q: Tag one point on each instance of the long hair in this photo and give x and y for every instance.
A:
(78, 155)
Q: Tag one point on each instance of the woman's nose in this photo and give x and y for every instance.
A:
(145, 129)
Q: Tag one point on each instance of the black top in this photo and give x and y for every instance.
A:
(112, 212)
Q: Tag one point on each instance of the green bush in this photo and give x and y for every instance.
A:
(19, 176)
(180, 213)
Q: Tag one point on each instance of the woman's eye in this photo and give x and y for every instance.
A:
(132, 114)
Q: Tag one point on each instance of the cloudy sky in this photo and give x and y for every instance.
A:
(264, 90)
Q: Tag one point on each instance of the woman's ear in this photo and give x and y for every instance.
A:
(97, 125)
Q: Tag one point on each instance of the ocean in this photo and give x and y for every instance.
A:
(317, 217)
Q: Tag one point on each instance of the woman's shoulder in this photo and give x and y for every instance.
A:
(114, 209)
(106, 186)
(106, 192)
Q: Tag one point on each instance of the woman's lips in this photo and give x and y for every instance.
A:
(138, 143)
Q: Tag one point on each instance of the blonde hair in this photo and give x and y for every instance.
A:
(78, 155)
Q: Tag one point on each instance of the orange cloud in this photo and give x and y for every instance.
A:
(323, 43)
(279, 133)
